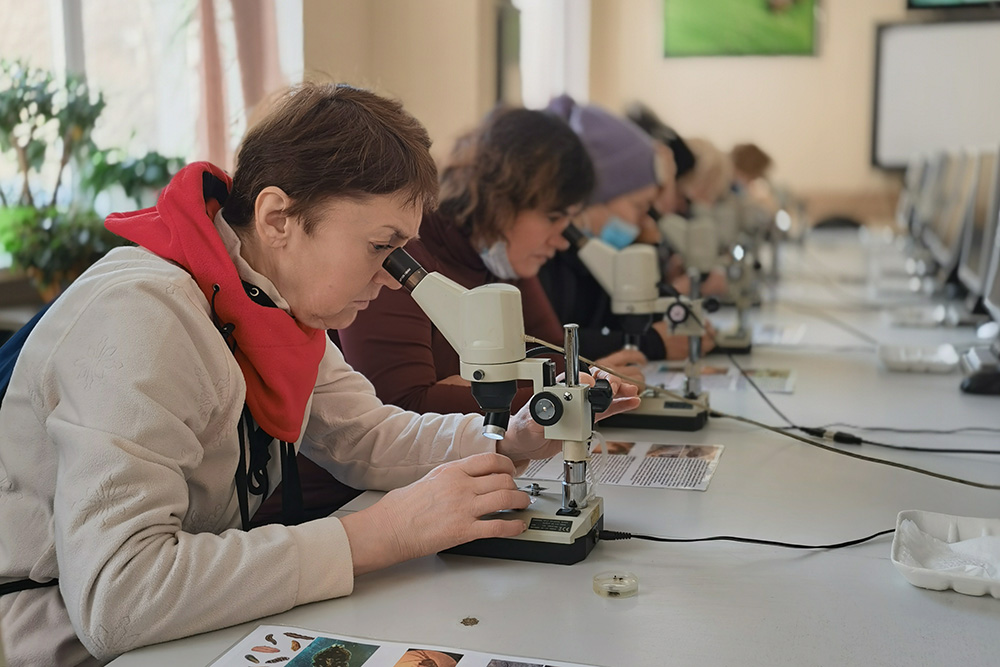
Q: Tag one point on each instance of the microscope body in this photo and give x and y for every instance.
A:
(632, 276)
(698, 240)
(742, 279)
(485, 326)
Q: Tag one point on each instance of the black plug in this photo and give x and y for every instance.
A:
(836, 436)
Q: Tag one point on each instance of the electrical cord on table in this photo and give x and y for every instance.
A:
(930, 431)
(612, 535)
(844, 438)
(840, 437)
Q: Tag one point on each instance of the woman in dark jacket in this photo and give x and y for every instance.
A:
(509, 190)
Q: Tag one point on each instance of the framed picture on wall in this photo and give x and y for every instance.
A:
(739, 28)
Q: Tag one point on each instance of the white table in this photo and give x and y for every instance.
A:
(724, 603)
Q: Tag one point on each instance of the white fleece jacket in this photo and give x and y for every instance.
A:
(118, 449)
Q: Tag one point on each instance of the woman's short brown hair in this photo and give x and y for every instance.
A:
(323, 141)
(750, 161)
(516, 160)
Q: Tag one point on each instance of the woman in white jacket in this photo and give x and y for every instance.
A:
(159, 400)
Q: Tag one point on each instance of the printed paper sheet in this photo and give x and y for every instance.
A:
(295, 647)
(644, 464)
(723, 378)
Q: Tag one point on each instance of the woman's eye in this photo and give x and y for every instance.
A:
(382, 247)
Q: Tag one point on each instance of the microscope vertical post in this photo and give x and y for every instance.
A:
(693, 369)
(574, 486)
(571, 348)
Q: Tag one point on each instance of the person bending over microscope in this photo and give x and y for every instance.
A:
(158, 400)
(629, 179)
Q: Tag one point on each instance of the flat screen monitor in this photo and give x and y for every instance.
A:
(926, 202)
(947, 4)
(906, 206)
(977, 246)
(991, 295)
(944, 234)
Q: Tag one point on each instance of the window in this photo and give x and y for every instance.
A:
(145, 57)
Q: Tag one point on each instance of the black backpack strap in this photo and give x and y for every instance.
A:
(292, 510)
(25, 585)
(12, 348)
(252, 477)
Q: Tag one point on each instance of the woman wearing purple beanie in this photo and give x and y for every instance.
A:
(628, 180)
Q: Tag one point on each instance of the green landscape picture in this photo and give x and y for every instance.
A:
(738, 27)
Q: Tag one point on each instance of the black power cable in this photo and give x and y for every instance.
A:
(930, 431)
(845, 438)
(841, 437)
(612, 535)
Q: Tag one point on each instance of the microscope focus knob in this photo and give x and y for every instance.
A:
(677, 313)
(711, 304)
(600, 396)
(545, 408)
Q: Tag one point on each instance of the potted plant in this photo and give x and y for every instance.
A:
(46, 124)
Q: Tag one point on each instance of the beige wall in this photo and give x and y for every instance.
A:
(812, 114)
(437, 56)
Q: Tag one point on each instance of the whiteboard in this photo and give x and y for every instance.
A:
(937, 87)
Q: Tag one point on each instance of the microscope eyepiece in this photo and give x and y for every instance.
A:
(406, 270)
(573, 234)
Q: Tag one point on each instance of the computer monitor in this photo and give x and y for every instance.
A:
(977, 245)
(926, 201)
(943, 236)
(991, 293)
(912, 183)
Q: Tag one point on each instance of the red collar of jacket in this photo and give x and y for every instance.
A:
(279, 357)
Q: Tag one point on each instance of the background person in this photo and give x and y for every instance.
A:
(508, 191)
(628, 180)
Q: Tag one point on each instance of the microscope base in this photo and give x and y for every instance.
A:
(550, 537)
(662, 413)
(732, 342)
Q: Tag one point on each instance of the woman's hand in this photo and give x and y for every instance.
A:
(526, 438)
(437, 512)
(715, 283)
(625, 362)
(676, 345)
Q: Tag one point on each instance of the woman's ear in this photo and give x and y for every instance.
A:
(271, 221)
(595, 217)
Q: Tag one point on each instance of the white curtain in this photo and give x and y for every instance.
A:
(555, 50)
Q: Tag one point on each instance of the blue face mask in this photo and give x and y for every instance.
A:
(497, 262)
(618, 233)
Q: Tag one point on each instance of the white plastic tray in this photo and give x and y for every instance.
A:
(947, 528)
(918, 358)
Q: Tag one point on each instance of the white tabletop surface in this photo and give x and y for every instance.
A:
(722, 603)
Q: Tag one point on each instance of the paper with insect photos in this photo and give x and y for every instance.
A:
(295, 647)
(647, 464)
(722, 378)
(778, 334)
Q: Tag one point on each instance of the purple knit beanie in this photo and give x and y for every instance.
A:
(623, 155)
